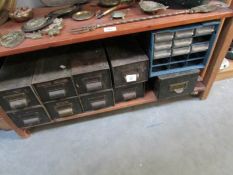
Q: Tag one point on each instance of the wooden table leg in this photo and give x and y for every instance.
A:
(23, 133)
(219, 54)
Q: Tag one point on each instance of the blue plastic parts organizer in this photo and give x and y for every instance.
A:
(182, 48)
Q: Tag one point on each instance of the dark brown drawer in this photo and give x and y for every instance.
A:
(129, 92)
(64, 108)
(128, 61)
(29, 117)
(175, 85)
(98, 100)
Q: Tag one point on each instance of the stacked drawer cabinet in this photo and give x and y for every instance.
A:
(17, 96)
(181, 48)
(53, 83)
(92, 77)
(129, 65)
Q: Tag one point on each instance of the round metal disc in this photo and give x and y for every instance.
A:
(83, 15)
(37, 24)
(12, 39)
(63, 11)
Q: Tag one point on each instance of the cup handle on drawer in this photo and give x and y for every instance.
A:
(57, 93)
(66, 111)
(31, 121)
(129, 95)
(98, 104)
(178, 88)
(94, 85)
(18, 103)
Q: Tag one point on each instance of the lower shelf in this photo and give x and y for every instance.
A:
(226, 73)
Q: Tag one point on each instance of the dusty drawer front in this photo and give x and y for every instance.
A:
(52, 78)
(90, 68)
(129, 92)
(175, 85)
(29, 117)
(98, 100)
(64, 108)
(128, 61)
(15, 84)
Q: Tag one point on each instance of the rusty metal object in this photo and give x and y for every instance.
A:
(12, 39)
(151, 6)
(83, 15)
(21, 14)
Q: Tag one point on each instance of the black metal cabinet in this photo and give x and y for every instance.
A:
(90, 68)
(52, 78)
(15, 84)
(29, 117)
(64, 108)
(130, 92)
(176, 85)
(97, 100)
(128, 61)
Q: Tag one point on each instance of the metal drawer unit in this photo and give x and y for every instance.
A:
(52, 78)
(15, 84)
(128, 62)
(64, 108)
(179, 49)
(176, 84)
(90, 68)
(97, 100)
(29, 117)
(130, 92)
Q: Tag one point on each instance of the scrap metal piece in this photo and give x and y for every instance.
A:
(21, 14)
(12, 39)
(151, 6)
(118, 15)
(54, 28)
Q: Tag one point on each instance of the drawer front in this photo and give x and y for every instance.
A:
(64, 108)
(95, 101)
(130, 74)
(18, 99)
(130, 92)
(176, 86)
(92, 82)
(54, 90)
(29, 117)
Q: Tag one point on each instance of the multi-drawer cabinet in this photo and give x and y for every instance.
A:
(16, 91)
(176, 84)
(52, 78)
(64, 108)
(130, 92)
(90, 68)
(29, 117)
(128, 61)
(181, 48)
(97, 100)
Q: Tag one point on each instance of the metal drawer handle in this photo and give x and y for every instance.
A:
(18, 103)
(62, 112)
(129, 95)
(131, 77)
(98, 104)
(57, 93)
(31, 121)
(93, 86)
(178, 88)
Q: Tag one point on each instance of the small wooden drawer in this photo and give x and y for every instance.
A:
(175, 85)
(130, 92)
(97, 100)
(128, 61)
(29, 117)
(64, 108)
(90, 68)
(52, 78)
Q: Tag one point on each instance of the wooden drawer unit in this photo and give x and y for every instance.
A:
(15, 84)
(98, 100)
(90, 68)
(175, 85)
(52, 78)
(64, 108)
(29, 117)
(128, 61)
(130, 92)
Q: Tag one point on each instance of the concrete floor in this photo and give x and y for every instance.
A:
(189, 137)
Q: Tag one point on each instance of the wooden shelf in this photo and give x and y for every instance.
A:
(226, 73)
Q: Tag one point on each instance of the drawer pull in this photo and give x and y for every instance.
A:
(131, 78)
(31, 121)
(63, 112)
(129, 95)
(18, 103)
(98, 104)
(57, 93)
(178, 88)
(93, 86)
